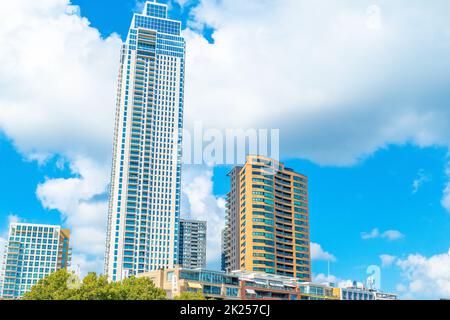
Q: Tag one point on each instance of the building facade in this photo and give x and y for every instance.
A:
(267, 212)
(212, 284)
(192, 246)
(231, 233)
(315, 291)
(33, 251)
(144, 206)
(223, 251)
(263, 286)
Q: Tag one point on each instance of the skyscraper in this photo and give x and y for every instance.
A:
(33, 251)
(192, 244)
(230, 236)
(272, 223)
(144, 207)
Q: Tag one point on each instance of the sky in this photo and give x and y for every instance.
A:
(358, 89)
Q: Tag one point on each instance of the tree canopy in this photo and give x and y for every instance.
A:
(62, 285)
(190, 296)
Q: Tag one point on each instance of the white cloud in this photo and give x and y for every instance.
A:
(76, 199)
(199, 202)
(13, 218)
(390, 235)
(340, 283)
(422, 177)
(58, 81)
(87, 264)
(387, 260)
(318, 253)
(341, 80)
(426, 277)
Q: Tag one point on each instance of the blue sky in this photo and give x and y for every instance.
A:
(368, 169)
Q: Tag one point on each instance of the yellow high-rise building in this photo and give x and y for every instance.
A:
(273, 221)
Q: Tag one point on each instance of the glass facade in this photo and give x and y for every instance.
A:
(32, 253)
(209, 277)
(144, 210)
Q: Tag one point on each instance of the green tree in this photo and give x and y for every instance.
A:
(94, 287)
(137, 289)
(190, 296)
(61, 285)
(52, 287)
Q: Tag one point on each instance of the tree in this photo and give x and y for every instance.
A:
(138, 289)
(190, 296)
(52, 287)
(94, 287)
(60, 285)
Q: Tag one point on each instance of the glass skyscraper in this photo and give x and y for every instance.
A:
(144, 210)
(33, 251)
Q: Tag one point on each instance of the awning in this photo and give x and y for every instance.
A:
(274, 284)
(194, 285)
(260, 282)
(251, 291)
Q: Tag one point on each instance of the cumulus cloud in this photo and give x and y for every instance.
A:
(387, 260)
(58, 81)
(426, 277)
(318, 253)
(339, 282)
(76, 199)
(200, 203)
(422, 177)
(340, 80)
(83, 263)
(390, 235)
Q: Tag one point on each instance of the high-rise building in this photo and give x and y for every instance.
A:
(33, 251)
(192, 244)
(144, 207)
(231, 237)
(223, 250)
(267, 211)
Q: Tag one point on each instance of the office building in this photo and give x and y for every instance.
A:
(231, 236)
(211, 284)
(192, 246)
(268, 220)
(33, 251)
(144, 206)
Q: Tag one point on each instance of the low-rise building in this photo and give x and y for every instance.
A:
(315, 291)
(385, 296)
(263, 286)
(357, 291)
(212, 284)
